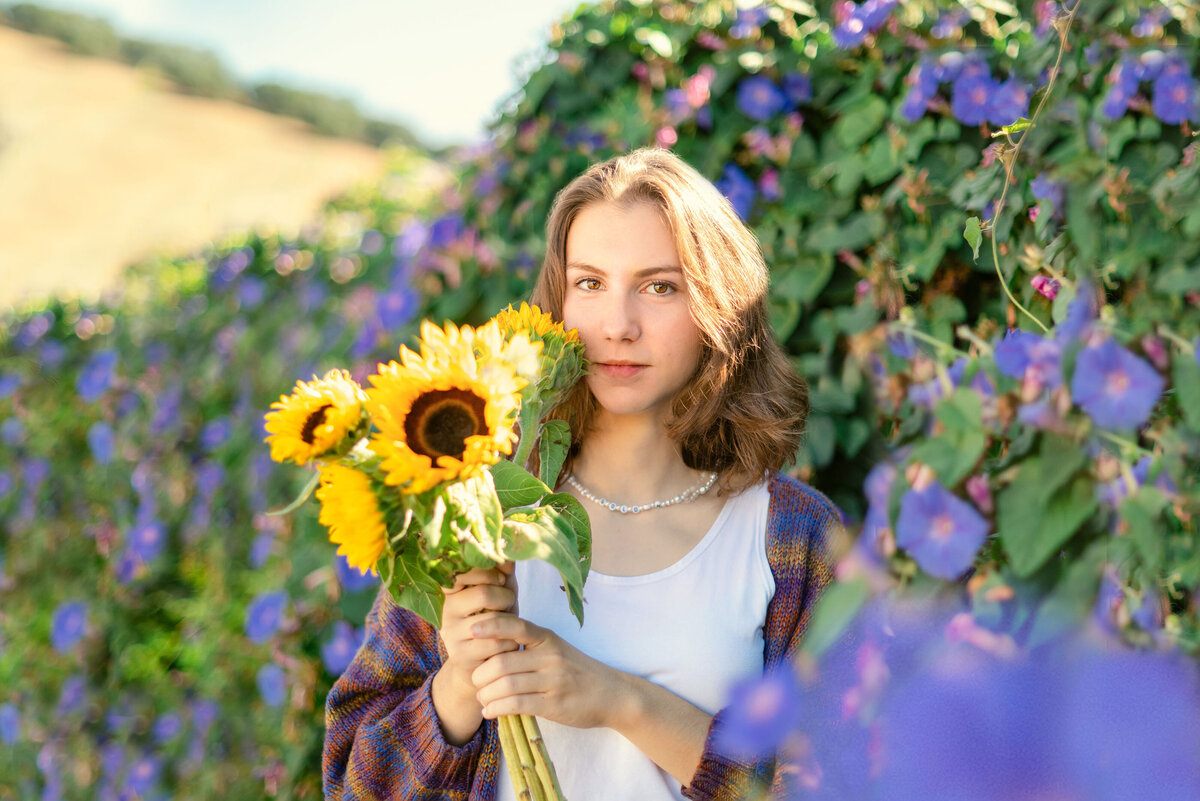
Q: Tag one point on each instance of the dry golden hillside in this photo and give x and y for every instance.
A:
(100, 165)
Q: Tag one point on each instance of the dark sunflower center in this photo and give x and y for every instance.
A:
(310, 425)
(441, 421)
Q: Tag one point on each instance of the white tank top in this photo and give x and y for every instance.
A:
(695, 628)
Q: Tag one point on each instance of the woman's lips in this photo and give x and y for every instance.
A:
(619, 370)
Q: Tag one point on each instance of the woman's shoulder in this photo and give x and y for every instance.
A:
(795, 506)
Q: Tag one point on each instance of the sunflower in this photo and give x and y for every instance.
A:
(320, 417)
(350, 510)
(444, 413)
(531, 320)
(561, 363)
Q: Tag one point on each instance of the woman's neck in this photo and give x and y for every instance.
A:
(631, 460)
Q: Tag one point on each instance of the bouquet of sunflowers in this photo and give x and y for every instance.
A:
(412, 484)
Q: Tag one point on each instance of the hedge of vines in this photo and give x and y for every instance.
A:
(1007, 395)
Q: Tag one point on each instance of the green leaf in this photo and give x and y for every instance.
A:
(515, 486)
(309, 486)
(1141, 511)
(835, 611)
(972, 234)
(549, 534)
(1062, 302)
(953, 453)
(860, 121)
(1040, 510)
(804, 281)
(1071, 597)
(821, 438)
(415, 590)
(1186, 375)
(570, 507)
(552, 449)
(1016, 127)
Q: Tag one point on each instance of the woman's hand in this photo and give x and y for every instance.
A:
(549, 678)
(474, 594)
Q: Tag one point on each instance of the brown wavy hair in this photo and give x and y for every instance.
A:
(743, 411)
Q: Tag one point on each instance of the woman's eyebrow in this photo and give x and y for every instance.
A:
(642, 273)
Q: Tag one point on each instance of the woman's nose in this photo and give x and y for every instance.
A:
(620, 322)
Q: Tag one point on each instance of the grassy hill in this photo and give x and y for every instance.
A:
(102, 165)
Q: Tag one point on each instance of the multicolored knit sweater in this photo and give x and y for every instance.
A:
(383, 739)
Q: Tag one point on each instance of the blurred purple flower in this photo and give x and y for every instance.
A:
(204, 713)
(146, 539)
(209, 477)
(272, 684)
(264, 616)
(350, 578)
(143, 775)
(338, 651)
(1081, 312)
(980, 493)
(260, 549)
(68, 626)
(949, 66)
(940, 531)
(97, 375)
(9, 383)
(749, 21)
(1021, 351)
(760, 99)
(52, 354)
(850, 32)
(251, 292)
(915, 104)
(166, 410)
(1116, 103)
(12, 432)
(1009, 101)
(738, 187)
(230, 267)
(216, 432)
(929, 393)
(1116, 388)
(949, 24)
(798, 88)
(6, 483)
(10, 724)
(72, 696)
(971, 97)
(863, 19)
(902, 344)
(372, 241)
(397, 307)
(768, 184)
(1044, 188)
(677, 105)
(412, 239)
(761, 714)
(1175, 98)
(1047, 287)
(1039, 414)
(167, 727)
(445, 230)
(101, 442)
(1149, 65)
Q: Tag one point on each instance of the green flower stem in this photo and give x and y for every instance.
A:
(530, 416)
(541, 758)
(1011, 160)
(931, 340)
(512, 757)
(964, 332)
(1166, 333)
(525, 759)
(1127, 447)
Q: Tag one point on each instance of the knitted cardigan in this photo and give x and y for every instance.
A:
(383, 739)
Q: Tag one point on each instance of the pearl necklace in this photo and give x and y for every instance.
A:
(683, 497)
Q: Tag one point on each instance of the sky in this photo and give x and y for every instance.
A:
(440, 67)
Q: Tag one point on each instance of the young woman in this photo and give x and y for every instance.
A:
(706, 561)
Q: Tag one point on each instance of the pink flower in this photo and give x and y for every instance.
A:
(666, 136)
(1046, 286)
(980, 493)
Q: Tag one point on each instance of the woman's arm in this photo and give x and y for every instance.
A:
(554, 680)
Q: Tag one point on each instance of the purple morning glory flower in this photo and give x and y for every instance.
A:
(350, 578)
(72, 696)
(1175, 99)
(971, 97)
(761, 714)
(915, 104)
(940, 530)
(264, 616)
(738, 187)
(677, 105)
(68, 625)
(446, 230)
(12, 432)
(760, 99)
(52, 354)
(1081, 312)
(1116, 388)
(272, 684)
(167, 727)
(97, 375)
(396, 307)
(6, 483)
(749, 21)
(1116, 103)
(338, 651)
(251, 292)
(204, 714)
(166, 411)
(260, 549)
(902, 344)
(216, 432)
(850, 32)
(798, 88)
(10, 724)
(1020, 351)
(146, 539)
(209, 477)
(9, 383)
(1044, 188)
(101, 442)
(143, 775)
(1009, 102)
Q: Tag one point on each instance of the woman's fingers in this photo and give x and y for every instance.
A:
(510, 685)
(481, 598)
(477, 576)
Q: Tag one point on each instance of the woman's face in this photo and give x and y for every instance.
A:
(626, 294)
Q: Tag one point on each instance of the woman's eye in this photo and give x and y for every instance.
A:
(590, 284)
(661, 288)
